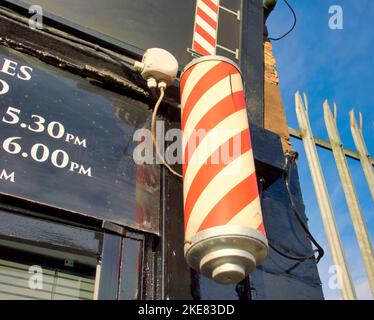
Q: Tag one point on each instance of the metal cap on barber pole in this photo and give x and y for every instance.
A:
(224, 232)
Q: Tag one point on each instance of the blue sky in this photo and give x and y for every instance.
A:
(336, 65)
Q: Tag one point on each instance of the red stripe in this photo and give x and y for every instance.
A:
(211, 5)
(206, 18)
(261, 229)
(199, 49)
(205, 35)
(212, 77)
(208, 171)
(223, 109)
(232, 203)
(185, 77)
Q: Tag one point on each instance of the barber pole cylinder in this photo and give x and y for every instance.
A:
(224, 232)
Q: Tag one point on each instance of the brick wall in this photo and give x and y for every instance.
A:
(274, 117)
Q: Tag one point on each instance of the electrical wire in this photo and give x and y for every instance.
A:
(319, 249)
(277, 249)
(288, 256)
(293, 26)
(154, 139)
(120, 59)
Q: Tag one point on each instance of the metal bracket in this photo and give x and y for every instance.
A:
(235, 53)
(194, 53)
(69, 263)
(198, 55)
(237, 13)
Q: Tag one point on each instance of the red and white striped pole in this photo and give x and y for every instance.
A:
(206, 27)
(224, 232)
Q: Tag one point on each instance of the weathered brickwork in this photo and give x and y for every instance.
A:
(275, 117)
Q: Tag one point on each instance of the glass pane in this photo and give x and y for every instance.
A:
(19, 282)
(67, 142)
(167, 24)
(131, 275)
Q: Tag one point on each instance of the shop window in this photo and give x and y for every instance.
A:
(29, 276)
(68, 142)
(144, 24)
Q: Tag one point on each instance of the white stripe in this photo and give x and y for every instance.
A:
(195, 76)
(214, 95)
(216, 190)
(250, 216)
(216, 2)
(212, 141)
(205, 44)
(207, 27)
(208, 11)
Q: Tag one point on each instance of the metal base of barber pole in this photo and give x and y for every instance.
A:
(226, 254)
(225, 237)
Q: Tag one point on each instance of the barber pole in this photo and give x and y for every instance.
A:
(206, 27)
(224, 232)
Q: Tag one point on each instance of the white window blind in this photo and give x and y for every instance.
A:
(57, 284)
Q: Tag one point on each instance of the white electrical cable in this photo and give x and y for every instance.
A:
(154, 118)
